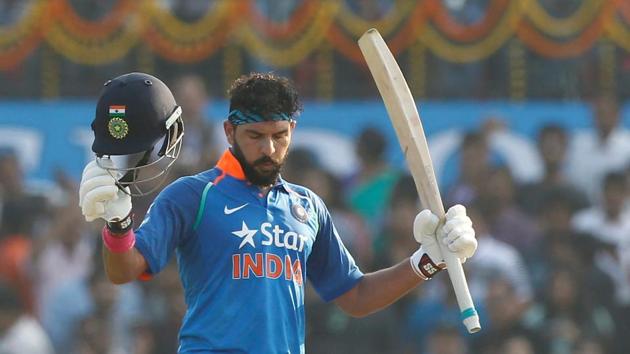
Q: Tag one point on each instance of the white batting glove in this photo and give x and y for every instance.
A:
(456, 233)
(426, 260)
(99, 196)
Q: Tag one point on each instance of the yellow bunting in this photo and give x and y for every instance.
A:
(568, 47)
(17, 41)
(296, 51)
(316, 27)
(356, 25)
(466, 53)
(182, 42)
(94, 52)
(450, 28)
(104, 42)
(184, 32)
(618, 33)
(26, 25)
(572, 25)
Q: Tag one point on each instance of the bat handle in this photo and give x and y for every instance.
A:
(469, 315)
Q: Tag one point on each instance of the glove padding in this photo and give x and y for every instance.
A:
(99, 196)
(456, 233)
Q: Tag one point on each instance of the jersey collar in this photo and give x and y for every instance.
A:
(229, 165)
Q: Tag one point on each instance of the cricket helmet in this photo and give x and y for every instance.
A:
(136, 112)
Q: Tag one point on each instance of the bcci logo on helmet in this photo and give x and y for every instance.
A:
(118, 128)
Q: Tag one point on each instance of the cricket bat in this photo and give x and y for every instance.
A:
(402, 111)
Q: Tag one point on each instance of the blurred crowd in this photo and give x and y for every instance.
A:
(551, 274)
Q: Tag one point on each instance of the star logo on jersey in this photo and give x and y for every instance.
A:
(246, 234)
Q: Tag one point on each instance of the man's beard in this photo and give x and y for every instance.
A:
(254, 176)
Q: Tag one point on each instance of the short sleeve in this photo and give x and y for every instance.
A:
(165, 226)
(330, 267)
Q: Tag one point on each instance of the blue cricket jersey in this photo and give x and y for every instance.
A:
(243, 258)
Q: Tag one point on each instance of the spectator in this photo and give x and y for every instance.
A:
(303, 167)
(474, 168)
(552, 145)
(20, 211)
(15, 199)
(588, 345)
(563, 315)
(517, 344)
(351, 227)
(608, 220)
(446, 340)
(11, 176)
(20, 333)
(433, 308)
(562, 246)
(493, 145)
(594, 153)
(505, 219)
(199, 149)
(166, 309)
(610, 223)
(15, 255)
(371, 186)
(299, 162)
(498, 260)
(144, 340)
(94, 337)
(64, 253)
(512, 150)
(92, 301)
(331, 330)
(396, 235)
(504, 320)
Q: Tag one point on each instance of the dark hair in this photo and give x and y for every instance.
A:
(473, 138)
(404, 191)
(371, 143)
(615, 178)
(560, 197)
(264, 94)
(552, 128)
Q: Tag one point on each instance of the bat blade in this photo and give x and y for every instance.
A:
(405, 119)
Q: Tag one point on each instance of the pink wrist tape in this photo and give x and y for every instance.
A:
(118, 244)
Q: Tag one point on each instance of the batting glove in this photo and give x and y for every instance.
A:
(100, 197)
(456, 233)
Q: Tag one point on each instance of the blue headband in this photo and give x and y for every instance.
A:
(237, 117)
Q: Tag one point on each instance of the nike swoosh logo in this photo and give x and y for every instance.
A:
(229, 211)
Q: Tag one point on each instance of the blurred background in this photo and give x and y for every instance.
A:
(524, 104)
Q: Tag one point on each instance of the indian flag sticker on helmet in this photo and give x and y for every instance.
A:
(118, 128)
(117, 111)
